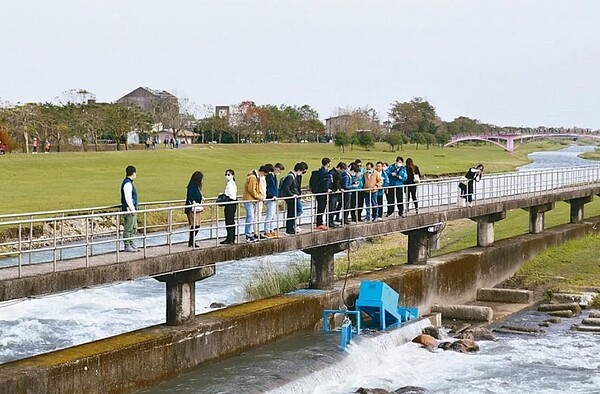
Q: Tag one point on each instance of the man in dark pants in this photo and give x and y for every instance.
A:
(335, 194)
(290, 191)
(321, 185)
(397, 176)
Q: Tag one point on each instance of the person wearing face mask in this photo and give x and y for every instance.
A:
(290, 191)
(372, 184)
(359, 196)
(381, 168)
(348, 186)
(251, 196)
(262, 182)
(397, 175)
(230, 207)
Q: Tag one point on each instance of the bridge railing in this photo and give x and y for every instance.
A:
(58, 237)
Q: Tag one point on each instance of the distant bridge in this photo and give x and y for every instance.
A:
(507, 141)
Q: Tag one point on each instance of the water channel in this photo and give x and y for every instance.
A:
(556, 362)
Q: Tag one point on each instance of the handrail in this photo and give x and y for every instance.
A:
(100, 233)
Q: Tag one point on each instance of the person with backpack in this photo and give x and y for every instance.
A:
(318, 184)
(466, 186)
(290, 191)
(334, 187)
(397, 175)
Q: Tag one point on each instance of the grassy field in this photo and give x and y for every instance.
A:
(78, 179)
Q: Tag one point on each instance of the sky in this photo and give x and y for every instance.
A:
(505, 62)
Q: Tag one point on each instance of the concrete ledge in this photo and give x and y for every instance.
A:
(571, 306)
(127, 362)
(509, 296)
(465, 312)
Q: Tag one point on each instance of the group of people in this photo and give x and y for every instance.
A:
(36, 143)
(344, 192)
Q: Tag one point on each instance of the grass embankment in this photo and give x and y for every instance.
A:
(77, 179)
(591, 155)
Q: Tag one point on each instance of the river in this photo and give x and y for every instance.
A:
(44, 324)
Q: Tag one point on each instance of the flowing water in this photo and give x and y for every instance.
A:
(557, 362)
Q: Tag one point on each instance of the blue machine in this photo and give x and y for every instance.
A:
(378, 301)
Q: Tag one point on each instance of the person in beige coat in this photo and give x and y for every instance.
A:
(251, 196)
(372, 183)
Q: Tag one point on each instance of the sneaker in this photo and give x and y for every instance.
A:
(403, 214)
(470, 204)
(378, 220)
(269, 235)
(298, 230)
(291, 232)
(129, 249)
(227, 242)
(250, 239)
(321, 227)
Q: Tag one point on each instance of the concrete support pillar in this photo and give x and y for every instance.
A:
(536, 217)
(577, 205)
(322, 265)
(181, 293)
(420, 243)
(485, 227)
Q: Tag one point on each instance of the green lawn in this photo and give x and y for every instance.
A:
(78, 179)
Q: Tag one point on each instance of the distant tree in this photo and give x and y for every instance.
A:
(429, 139)
(465, 126)
(442, 138)
(415, 116)
(6, 138)
(395, 139)
(418, 138)
(365, 139)
(122, 119)
(341, 139)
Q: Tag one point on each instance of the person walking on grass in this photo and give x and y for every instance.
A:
(372, 183)
(290, 191)
(251, 196)
(230, 207)
(194, 208)
(271, 201)
(129, 204)
(413, 177)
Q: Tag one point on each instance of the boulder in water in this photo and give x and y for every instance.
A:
(572, 306)
(433, 331)
(553, 320)
(363, 390)
(595, 314)
(477, 334)
(425, 340)
(411, 390)
(461, 346)
(215, 305)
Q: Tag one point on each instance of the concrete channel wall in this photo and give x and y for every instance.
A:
(141, 358)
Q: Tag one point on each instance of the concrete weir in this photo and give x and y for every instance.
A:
(141, 358)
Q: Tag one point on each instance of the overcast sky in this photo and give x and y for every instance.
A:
(505, 62)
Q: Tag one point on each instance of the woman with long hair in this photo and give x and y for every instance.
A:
(413, 176)
(193, 202)
(230, 206)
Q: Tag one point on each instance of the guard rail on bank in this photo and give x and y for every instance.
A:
(58, 236)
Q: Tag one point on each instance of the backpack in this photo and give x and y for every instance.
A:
(314, 182)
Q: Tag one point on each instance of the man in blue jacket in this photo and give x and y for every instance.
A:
(348, 186)
(397, 176)
(320, 187)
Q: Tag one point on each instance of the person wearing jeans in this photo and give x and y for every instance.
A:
(251, 197)
(372, 184)
(271, 201)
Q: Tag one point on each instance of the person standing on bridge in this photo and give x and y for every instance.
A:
(397, 175)
(251, 196)
(193, 200)
(413, 176)
(290, 190)
(467, 186)
(129, 204)
(271, 201)
(230, 207)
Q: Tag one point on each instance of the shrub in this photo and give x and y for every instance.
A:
(268, 282)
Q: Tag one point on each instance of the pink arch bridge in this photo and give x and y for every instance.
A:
(507, 141)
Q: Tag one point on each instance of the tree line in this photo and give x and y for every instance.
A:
(92, 123)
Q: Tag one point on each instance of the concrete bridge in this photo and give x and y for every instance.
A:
(49, 264)
(507, 141)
